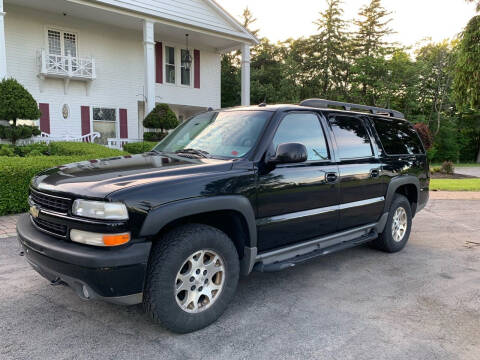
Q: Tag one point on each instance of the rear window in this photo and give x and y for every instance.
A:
(398, 137)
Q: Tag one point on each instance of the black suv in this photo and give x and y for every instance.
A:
(227, 192)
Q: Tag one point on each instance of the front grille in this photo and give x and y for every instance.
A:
(50, 202)
(54, 228)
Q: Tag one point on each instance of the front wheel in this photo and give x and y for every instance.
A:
(397, 230)
(191, 277)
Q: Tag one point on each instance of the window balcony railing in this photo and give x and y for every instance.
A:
(67, 67)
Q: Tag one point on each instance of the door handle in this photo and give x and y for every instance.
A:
(331, 177)
(374, 173)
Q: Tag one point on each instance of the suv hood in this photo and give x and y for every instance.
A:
(98, 178)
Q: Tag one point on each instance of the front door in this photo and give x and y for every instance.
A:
(297, 202)
(362, 189)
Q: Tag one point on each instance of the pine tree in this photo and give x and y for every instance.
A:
(372, 29)
(370, 49)
(330, 48)
(248, 20)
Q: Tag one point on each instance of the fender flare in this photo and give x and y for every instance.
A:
(395, 183)
(162, 215)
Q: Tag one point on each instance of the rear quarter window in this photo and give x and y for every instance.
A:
(398, 137)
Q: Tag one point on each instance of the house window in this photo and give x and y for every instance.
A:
(105, 122)
(185, 73)
(62, 43)
(170, 65)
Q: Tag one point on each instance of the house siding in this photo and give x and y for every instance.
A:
(119, 57)
(193, 12)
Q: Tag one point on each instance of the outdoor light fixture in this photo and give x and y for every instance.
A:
(187, 60)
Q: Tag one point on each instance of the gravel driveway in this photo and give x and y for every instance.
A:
(423, 303)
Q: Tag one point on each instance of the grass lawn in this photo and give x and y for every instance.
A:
(455, 184)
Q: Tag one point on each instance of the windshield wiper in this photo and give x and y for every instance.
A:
(201, 153)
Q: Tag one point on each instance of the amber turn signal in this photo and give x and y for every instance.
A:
(115, 240)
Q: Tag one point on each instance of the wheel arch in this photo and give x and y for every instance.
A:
(407, 185)
(228, 213)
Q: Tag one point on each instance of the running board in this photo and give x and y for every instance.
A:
(287, 257)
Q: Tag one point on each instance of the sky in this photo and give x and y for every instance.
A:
(413, 20)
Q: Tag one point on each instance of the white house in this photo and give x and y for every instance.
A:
(100, 65)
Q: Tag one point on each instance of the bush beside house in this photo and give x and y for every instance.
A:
(160, 118)
(17, 103)
(140, 147)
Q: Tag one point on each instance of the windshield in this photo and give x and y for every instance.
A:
(229, 134)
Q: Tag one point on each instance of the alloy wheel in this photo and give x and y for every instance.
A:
(199, 281)
(399, 224)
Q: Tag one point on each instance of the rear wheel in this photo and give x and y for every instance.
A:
(397, 230)
(191, 277)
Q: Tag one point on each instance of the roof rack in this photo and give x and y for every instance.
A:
(321, 103)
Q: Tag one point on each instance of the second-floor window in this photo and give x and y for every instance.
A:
(62, 43)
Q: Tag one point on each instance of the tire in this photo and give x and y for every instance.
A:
(388, 241)
(207, 261)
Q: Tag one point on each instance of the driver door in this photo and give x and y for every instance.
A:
(296, 202)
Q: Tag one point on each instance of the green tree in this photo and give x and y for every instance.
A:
(329, 49)
(161, 117)
(467, 74)
(370, 49)
(17, 103)
(435, 64)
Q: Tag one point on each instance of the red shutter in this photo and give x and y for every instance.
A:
(196, 68)
(123, 124)
(45, 118)
(158, 63)
(85, 115)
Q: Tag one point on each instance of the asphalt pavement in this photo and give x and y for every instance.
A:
(422, 303)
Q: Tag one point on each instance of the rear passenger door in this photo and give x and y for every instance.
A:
(362, 188)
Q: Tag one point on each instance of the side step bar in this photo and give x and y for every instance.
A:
(288, 257)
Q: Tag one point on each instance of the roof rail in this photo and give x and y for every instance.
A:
(321, 103)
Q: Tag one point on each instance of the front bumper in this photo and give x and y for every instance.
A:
(113, 274)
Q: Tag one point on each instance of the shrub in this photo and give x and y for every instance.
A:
(6, 150)
(154, 136)
(161, 117)
(25, 150)
(448, 167)
(15, 180)
(86, 150)
(140, 147)
(17, 103)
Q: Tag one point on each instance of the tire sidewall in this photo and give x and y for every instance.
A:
(390, 243)
(162, 294)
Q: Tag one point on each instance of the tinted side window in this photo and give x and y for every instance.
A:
(398, 137)
(352, 137)
(303, 128)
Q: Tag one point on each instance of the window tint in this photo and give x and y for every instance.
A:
(398, 137)
(304, 129)
(352, 137)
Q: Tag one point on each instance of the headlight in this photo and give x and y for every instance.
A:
(100, 210)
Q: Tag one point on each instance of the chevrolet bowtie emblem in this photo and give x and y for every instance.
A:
(34, 211)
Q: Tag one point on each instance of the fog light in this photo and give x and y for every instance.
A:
(98, 239)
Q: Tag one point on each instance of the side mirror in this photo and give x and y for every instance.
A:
(289, 153)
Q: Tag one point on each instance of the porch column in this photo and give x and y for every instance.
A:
(245, 74)
(3, 52)
(149, 55)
